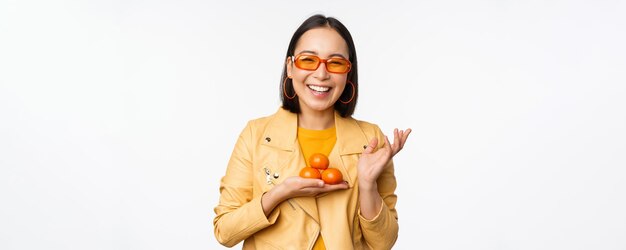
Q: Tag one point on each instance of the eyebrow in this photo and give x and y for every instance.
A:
(315, 53)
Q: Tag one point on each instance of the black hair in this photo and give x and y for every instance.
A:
(316, 21)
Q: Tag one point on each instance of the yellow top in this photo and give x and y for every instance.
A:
(316, 141)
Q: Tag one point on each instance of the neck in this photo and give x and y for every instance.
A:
(316, 120)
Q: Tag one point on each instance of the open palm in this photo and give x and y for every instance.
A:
(372, 162)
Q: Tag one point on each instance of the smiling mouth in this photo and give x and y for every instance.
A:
(318, 88)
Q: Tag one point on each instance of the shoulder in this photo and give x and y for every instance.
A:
(371, 130)
(281, 119)
(280, 116)
(260, 121)
(258, 124)
(368, 128)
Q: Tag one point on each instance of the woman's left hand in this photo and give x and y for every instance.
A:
(372, 161)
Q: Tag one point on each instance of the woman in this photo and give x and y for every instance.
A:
(266, 204)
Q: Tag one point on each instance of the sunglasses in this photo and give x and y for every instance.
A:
(333, 65)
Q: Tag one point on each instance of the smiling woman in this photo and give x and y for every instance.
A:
(263, 200)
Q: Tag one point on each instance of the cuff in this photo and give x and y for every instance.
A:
(376, 218)
(271, 218)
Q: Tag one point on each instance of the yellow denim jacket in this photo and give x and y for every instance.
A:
(265, 154)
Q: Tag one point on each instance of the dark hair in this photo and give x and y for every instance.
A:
(316, 21)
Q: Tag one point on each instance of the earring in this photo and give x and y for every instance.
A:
(285, 89)
(353, 92)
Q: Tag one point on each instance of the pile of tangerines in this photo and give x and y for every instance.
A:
(319, 170)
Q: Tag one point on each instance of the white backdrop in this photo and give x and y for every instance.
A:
(117, 118)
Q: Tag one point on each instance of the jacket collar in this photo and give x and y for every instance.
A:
(283, 129)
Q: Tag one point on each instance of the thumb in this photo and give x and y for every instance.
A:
(370, 148)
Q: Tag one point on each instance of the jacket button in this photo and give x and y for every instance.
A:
(268, 139)
(364, 146)
(276, 175)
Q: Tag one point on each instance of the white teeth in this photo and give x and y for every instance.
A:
(318, 88)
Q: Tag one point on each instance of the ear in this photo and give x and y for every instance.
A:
(289, 65)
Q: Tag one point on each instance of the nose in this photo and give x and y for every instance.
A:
(321, 72)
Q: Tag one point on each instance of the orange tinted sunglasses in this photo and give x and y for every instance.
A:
(333, 65)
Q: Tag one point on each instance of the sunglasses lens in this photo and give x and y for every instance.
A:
(307, 62)
(338, 65)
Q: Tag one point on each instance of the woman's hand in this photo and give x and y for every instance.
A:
(372, 161)
(296, 186)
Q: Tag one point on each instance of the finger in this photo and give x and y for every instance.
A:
(388, 146)
(396, 139)
(333, 187)
(401, 140)
(400, 136)
(405, 137)
(397, 144)
(325, 189)
(370, 148)
(310, 183)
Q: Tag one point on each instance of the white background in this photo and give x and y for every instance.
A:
(117, 118)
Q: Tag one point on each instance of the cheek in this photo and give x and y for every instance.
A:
(297, 77)
(341, 84)
(302, 76)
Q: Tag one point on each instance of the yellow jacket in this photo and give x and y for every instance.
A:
(268, 148)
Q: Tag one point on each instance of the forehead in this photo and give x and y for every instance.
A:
(323, 41)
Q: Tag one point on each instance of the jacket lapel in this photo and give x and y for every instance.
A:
(350, 141)
(350, 137)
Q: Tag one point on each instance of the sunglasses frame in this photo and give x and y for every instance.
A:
(294, 58)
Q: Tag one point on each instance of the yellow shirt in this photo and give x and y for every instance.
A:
(316, 141)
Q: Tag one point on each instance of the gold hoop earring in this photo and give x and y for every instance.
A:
(353, 92)
(285, 89)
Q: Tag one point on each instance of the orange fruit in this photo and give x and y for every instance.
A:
(332, 176)
(319, 161)
(311, 173)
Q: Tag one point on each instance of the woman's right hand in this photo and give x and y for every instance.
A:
(296, 186)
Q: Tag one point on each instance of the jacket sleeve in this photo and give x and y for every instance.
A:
(381, 232)
(238, 214)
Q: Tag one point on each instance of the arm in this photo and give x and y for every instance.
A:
(378, 216)
(377, 184)
(239, 214)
